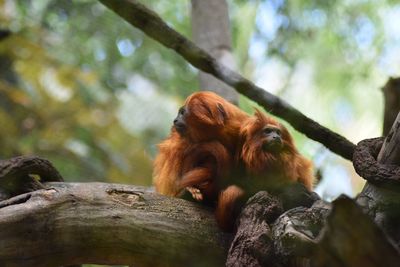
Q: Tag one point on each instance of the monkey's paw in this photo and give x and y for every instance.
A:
(195, 192)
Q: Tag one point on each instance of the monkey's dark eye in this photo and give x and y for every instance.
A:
(181, 111)
(268, 130)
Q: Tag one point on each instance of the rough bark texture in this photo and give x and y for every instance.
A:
(252, 244)
(390, 152)
(367, 166)
(350, 238)
(107, 224)
(16, 175)
(294, 234)
(391, 93)
(382, 201)
(256, 242)
(212, 32)
(150, 23)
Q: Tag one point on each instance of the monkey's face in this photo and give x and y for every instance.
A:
(180, 121)
(272, 139)
(202, 118)
(264, 142)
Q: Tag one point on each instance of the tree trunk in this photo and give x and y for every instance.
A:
(391, 93)
(212, 32)
(382, 201)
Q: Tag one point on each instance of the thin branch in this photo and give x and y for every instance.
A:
(150, 23)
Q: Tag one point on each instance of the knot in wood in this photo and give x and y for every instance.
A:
(126, 198)
(366, 165)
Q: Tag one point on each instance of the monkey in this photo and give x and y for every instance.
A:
(197, 156)
(206, 116)
(269, 155)
(269, 161)
(204, 121)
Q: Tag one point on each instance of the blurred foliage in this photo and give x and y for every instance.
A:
(86, 90)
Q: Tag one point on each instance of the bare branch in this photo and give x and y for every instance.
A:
(150, 23)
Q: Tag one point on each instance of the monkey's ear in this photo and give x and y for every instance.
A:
(203, 112)
(259, 115)
(221, 114)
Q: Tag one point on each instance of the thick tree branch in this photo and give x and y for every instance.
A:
(17, 175)
(107, 224)
(391, 93)
(382, 200)
(367, 166)
(150, 23)
(361, 243)
(260, 241)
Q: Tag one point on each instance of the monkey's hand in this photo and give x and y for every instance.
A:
(195, 192)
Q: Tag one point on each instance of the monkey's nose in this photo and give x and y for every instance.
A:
(277, 140)
(179, 126)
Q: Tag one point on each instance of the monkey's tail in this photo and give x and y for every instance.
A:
(229, 203)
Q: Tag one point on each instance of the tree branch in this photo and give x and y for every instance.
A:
(150, 23)
(343, 243)
(75, 223)
(16, 175)
(382, 200)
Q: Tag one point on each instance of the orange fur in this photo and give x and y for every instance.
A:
(271, 168)
(206, 167)
(217, 137)
(203, 153)
(229, 202)
(212, 118)
(264, 170)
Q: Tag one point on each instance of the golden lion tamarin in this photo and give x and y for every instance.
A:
(269, 154)
(270, 160)
(210, 140)
(204, 136)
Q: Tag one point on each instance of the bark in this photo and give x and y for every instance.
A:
(367, 166)
(351, 238)
(16, 174)
(212, 32)
(107, 224)
(252, 245)
(382, 200)
(295, 233)
(391, 93)
(390, 152)
(151, 24)
(261, 242)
